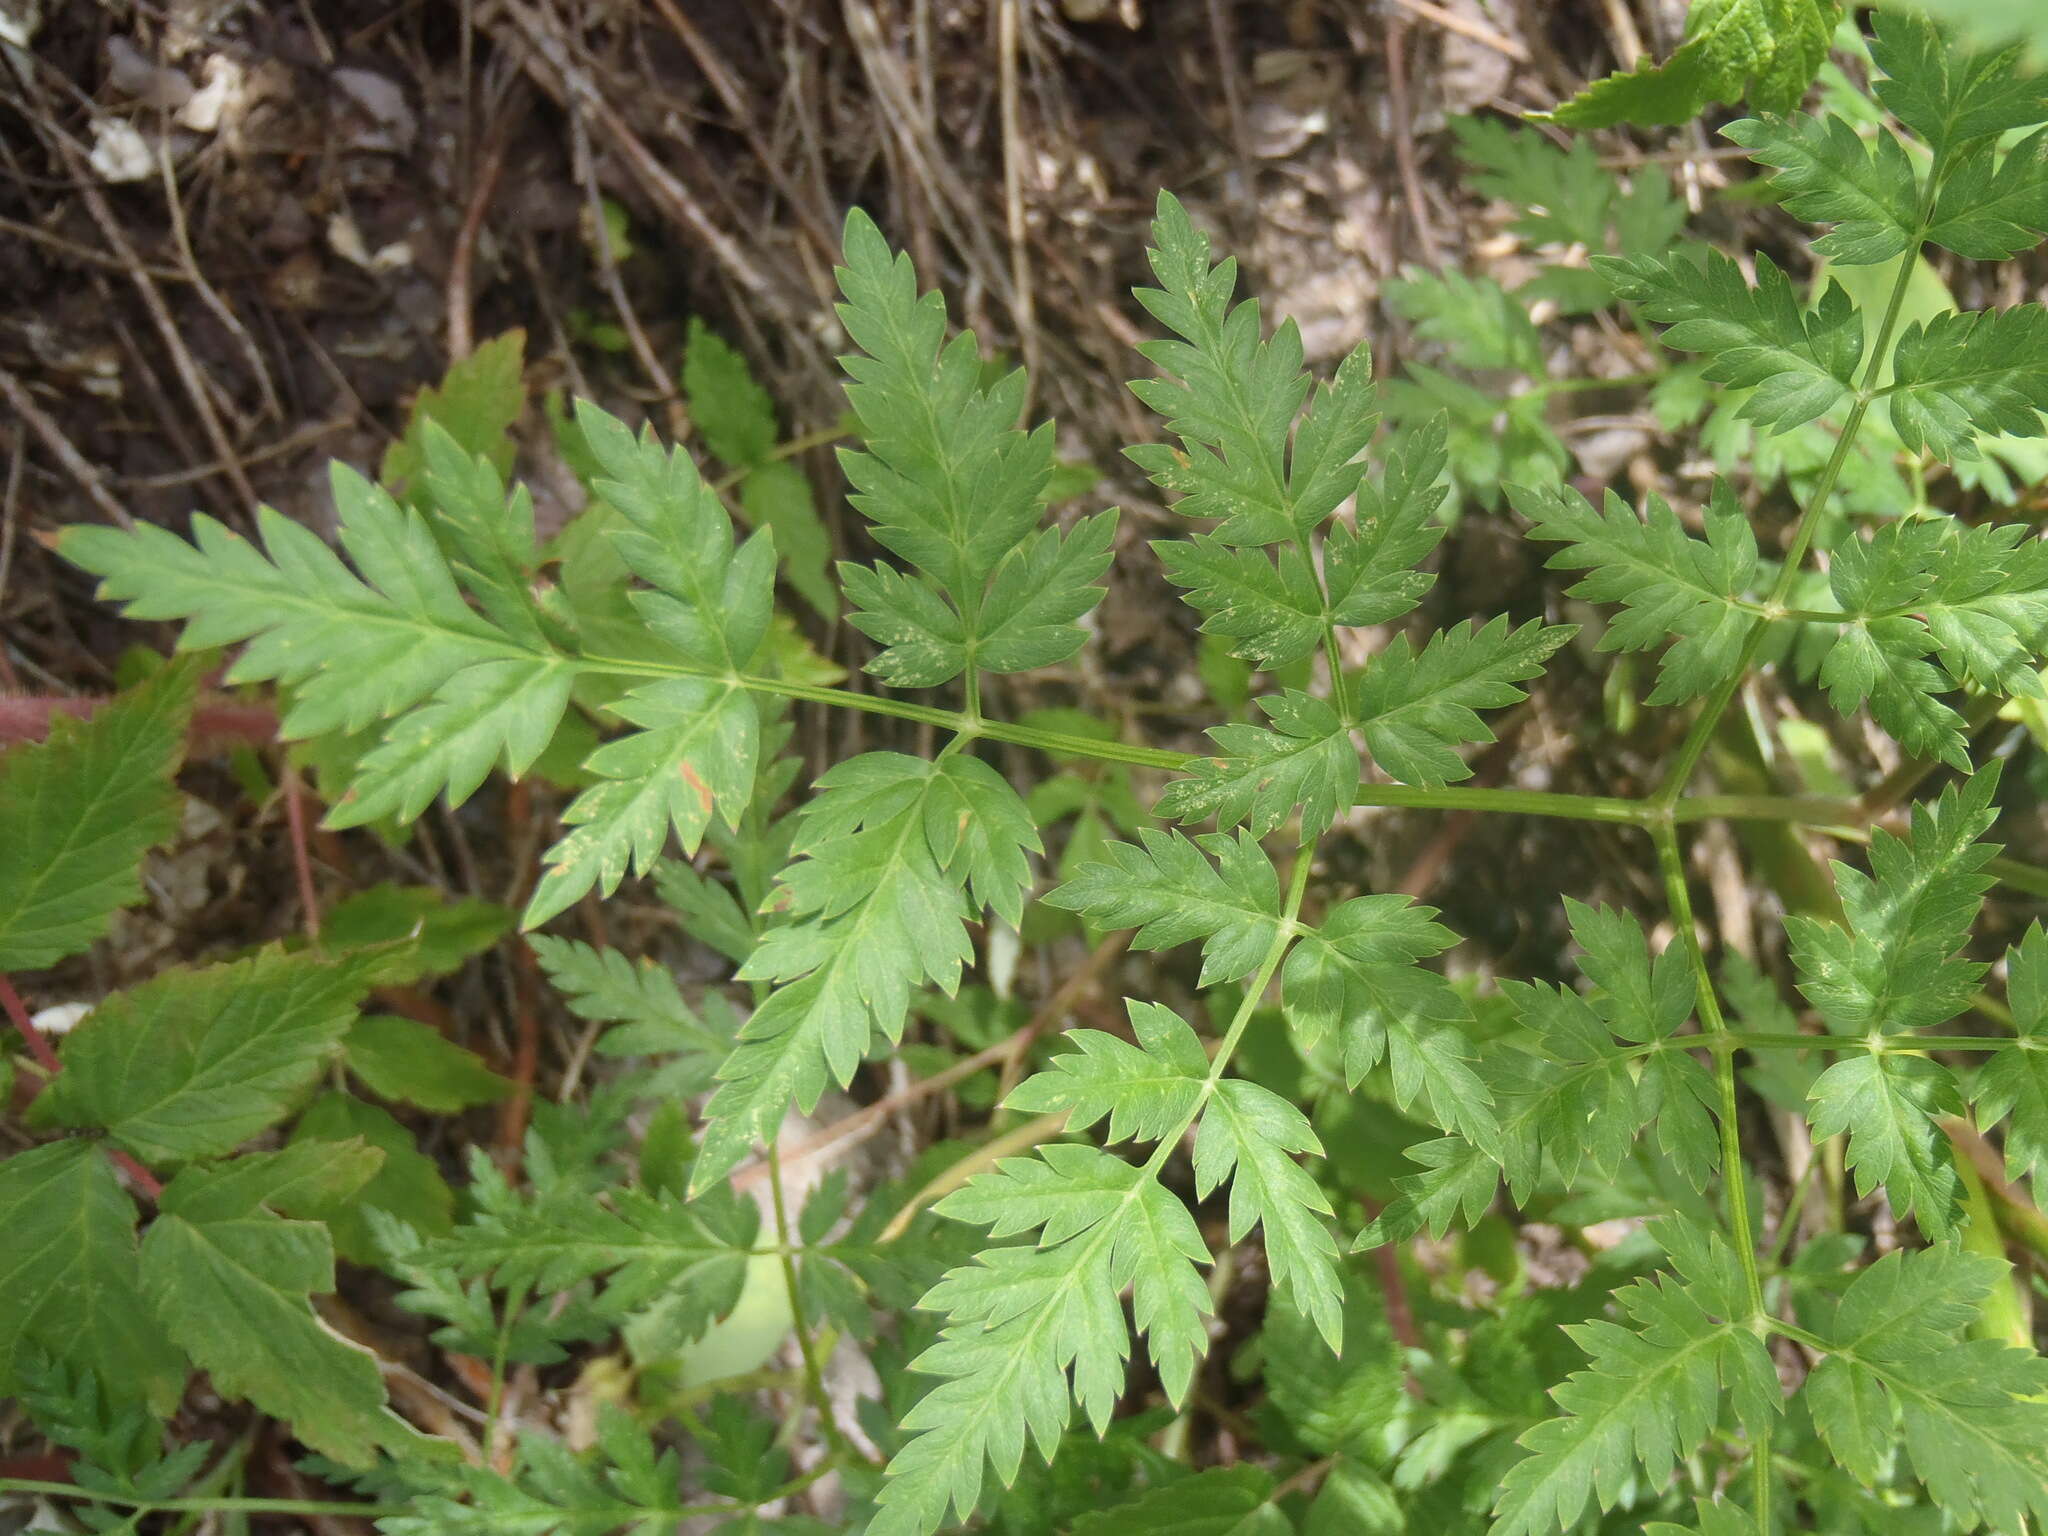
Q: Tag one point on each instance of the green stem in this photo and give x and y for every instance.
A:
(626, 1512)
(2004, 1313)
(1841, 818)
(1617, 810)
(1255, 989)
(494, 1402)
(1742, 1229)
(1798, 1335)
(1809, 518)
(1574, 385)
(219, 1506)
(789, 450)
(814, 1375)
(1766, 1040)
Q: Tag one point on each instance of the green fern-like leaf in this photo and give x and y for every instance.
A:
(1019, 1318)
(1888, 969)
(1991, 207)
(1358, 975)
(1232, 395)
(1952, 96)
(952, 486)
(1306, 761)
(1249, 1135)
(1271, 608)
(689, 1260)
(1652, 1391)
(1667, 582)
(352, 650)
(1973, 1413)
(1799, 363)
(2012, 1086)
(1960, 376)
(1830, 174)
(1166, 889)
(876, 906)
(1415, 706)
(1144, 1089)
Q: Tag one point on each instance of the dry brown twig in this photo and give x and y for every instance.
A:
(52, 437)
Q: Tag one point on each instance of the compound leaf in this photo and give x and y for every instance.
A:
(1272, 610)
(1456, 1185)
(1952, 96)
(692, 1257)
(1019, 1318)
(1145, 1089)
(694, 753)
(1975, 1421)
(946, 477)
(874, 907)
(1830, 174)
(1668, 582)
(1369, 563)
(1991, 207)
(1800, 363)
(1171, 894)
(1415, 707)
(1249, 1136)
(1232, 395)
(1651, 1392)
(1890, 965)
(1888, 1104)
(1039, 590)
(1358, 974)
(496, 713)
(981, 833)
(708, 600)
(1958, 376)
(1307, 761)
(353, 651)
(2012, 1086)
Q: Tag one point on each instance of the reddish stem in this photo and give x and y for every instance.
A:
(302, 858)
(26, 719)
(144, 1179)
(40, 1048)
(17, 1011)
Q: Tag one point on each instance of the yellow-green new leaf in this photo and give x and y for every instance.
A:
(1768, 49)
